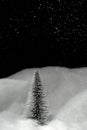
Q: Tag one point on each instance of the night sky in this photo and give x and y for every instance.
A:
(39, 33)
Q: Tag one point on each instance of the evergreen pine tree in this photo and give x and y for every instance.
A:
(36, 106)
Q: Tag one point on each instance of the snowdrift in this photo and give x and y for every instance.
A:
(67, 101)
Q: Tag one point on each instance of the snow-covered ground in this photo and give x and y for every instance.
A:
(67, 96)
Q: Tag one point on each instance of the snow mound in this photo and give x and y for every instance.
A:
(76, 109)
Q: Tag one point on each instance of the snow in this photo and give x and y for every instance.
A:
(67, 101)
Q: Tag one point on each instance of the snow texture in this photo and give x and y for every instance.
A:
(71, 116)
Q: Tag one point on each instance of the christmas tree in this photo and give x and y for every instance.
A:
(36, 106)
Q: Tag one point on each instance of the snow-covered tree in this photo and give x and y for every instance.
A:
(37, 106)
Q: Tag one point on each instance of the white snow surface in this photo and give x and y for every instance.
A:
(67, 102)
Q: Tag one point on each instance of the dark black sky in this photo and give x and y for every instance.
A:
(38, 33)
